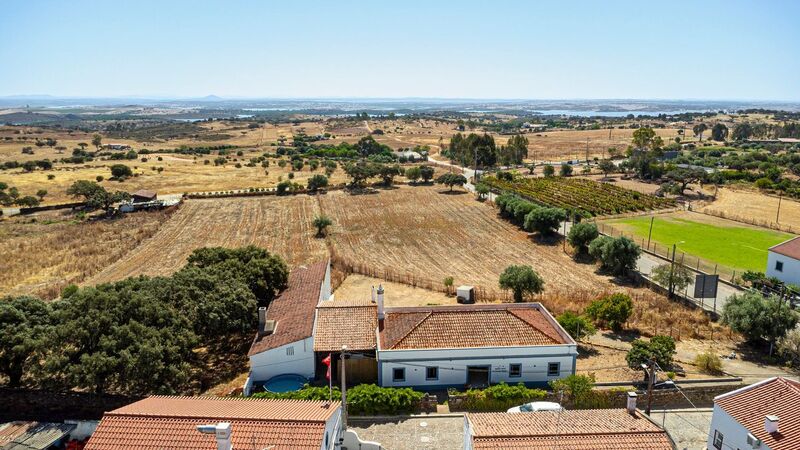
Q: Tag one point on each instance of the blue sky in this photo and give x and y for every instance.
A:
(704, 49)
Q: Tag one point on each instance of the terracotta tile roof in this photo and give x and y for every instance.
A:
(573, 430)
(157, 423)
(775, 396)
(144, 193)
(790, 248)
(470, 326)
(346, 323)
(293, 309)
(640, 441)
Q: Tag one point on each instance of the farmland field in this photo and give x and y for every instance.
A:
(280, 224)
(754, 207)
(729, 243)
(43, 257)
(581, 194)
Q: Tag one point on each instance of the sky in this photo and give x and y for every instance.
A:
(566, 49)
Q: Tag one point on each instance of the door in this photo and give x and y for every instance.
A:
(478, 376)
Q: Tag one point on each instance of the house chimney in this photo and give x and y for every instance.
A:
(373, 294)
(222, 431)
(262, 320)
(381, 315)
(771, 424)
(631, 404)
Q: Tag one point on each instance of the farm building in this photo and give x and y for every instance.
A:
(284, 343)
(115, 146)
(417, 347)
(472, 345)
(783, 261)
(763, 415)
(162, 422)
(566, 430)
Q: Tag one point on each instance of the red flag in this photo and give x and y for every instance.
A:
(327, 362)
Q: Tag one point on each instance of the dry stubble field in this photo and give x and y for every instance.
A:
(42, 257)
(280, 224)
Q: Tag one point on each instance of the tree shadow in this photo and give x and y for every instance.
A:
(586, 351)
(362, 191)
(583, 258)
(624, 335)
(454, 192)
(545, 239)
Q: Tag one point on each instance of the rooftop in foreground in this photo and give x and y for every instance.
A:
(162, 422)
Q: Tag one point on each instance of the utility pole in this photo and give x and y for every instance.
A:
(778, 215)
(587, 150)
(651, 379)
(344, 391)
(672, 269)
(650, 233)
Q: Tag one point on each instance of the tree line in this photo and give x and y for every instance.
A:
(142, 335)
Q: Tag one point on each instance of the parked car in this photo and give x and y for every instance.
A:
(536, 406)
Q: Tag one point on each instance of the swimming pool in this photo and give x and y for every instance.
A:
(285, 383)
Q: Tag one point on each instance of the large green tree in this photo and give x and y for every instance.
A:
(24, 322)
(759, 317)
(522, 280)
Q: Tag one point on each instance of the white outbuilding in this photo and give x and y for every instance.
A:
(783, 261)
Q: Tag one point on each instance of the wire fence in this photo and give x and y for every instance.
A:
(690, 261)
(786, 227)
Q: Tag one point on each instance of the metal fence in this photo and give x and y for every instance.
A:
(690, 261)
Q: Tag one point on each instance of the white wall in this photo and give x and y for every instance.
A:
(270, 363)
(325, 289)
(791, 268)
(452, 364)
(333, 428)
(734, 434)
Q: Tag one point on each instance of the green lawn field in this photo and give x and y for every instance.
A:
(738, 247)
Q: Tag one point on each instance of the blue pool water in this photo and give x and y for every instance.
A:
(285, 383)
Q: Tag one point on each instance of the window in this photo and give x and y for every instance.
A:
(290, 351)
(553, 369)
(779, 266)
(514, 370)
(717, 440)
(399, 374)
(431, 373)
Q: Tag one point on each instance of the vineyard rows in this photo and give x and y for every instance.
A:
(580, 194)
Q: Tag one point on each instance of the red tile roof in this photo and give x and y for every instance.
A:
(353, 324)
(470, 326)
(790, 248)
(571, 430)
(293, 309)
(157, 423)
(775, 396)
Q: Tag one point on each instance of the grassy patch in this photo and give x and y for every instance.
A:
(733, 246)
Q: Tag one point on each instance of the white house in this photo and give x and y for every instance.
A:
(165, 422)
(471, 345)
(284, 343)
(783, 261)
(763, 416)
(566, 430)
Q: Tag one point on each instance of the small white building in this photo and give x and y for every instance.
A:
(764, 416)
(471, 346)
(284, 342)
(783, 261)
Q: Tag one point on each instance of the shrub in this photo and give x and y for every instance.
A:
(284, 187)
(708, 362)
(322, 222)
(121, 171)
(500, 397)
(576, 325)
(577, 388)
(581, 235)
(549, 170)
(413, 174)
(566, 170)
(370, 399)
(661, 349)
(316, 182)
(612, 310)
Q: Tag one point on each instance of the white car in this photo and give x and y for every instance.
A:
(536, 406)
